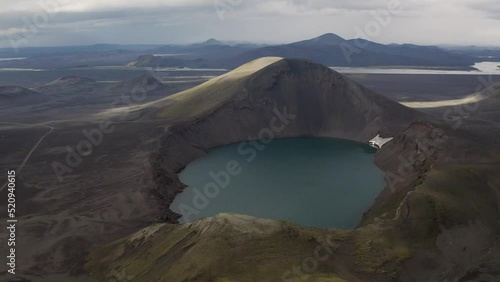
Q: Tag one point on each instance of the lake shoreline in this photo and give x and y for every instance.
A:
(328, 165)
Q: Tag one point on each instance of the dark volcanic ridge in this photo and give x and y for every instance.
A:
(72, 80)
(68, 85)
(328, 49)
(15, 96)
(492, 92)
(145, 82)
(427, 224)
(16, 91)
(173, 62)
(319, 102)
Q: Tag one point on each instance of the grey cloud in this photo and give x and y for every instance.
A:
(489, 7)
(176, 21)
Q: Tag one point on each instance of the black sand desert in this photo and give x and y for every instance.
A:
(93, 139)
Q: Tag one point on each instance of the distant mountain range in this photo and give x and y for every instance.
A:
(491, 54)
(328, 49)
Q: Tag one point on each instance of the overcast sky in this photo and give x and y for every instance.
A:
(68, 22)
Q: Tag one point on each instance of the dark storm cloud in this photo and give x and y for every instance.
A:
(366, 5)
(179, 21)
(489, 7)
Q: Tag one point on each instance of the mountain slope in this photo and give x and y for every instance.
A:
(436, 222)
(68, 85)
(174, 244)
(322, 98)
(325, 39)
(328, 49)
(144, 82)
(310, 99)
(16, 92)
(209, 54)
(487, 98)
(13, 96)
(201, 99)
(332, 50)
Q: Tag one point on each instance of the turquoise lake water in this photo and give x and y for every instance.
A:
(313, 182)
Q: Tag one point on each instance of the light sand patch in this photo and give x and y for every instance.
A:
(200, 99)
(445, 103)
(471, 99)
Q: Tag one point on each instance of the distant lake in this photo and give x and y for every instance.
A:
(170, 55)
(315, 182)
(19, 69)
(11, 59)
(37, 77)
(484, 68)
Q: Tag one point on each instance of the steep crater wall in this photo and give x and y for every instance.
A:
(290, 98)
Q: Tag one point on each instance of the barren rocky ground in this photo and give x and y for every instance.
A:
(103, 214)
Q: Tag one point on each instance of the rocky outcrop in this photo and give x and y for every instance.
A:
(68, 84)
(145, 61)
(140, 85)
